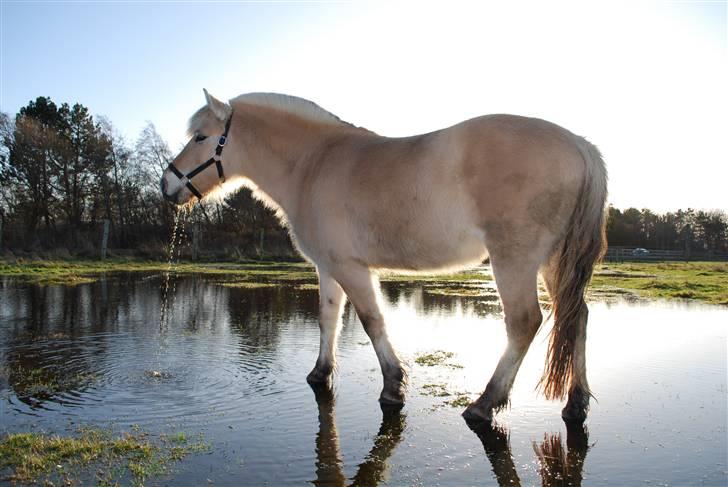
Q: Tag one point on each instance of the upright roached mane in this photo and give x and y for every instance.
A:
(524, 192)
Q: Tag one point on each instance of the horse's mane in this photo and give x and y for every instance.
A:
(293, 104)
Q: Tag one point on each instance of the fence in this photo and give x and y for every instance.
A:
(637, 254)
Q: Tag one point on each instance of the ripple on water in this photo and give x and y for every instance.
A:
(142, 385)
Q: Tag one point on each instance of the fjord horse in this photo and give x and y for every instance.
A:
(524, 192)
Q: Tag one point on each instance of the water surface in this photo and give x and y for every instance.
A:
(230, 364)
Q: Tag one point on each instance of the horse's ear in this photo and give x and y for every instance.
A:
(221, 109)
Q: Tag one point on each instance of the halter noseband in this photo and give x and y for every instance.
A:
(216, 159)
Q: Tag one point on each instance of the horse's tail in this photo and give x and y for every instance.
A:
(571, 270)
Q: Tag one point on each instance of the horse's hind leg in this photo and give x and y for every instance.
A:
(517, 284)
(577, 406)
(359, 285)
(331, 300)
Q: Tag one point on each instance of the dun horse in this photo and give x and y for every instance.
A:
(524, 192)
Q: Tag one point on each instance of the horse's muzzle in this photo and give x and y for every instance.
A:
(163, 187)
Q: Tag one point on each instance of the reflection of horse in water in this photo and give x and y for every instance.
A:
(556, 466)
(330, 467)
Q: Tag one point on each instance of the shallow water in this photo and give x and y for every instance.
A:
(230, 363)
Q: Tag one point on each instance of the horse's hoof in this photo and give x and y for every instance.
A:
(574, 413)
(392, 397)
(576, 408)
(476, 414)
(319, 377)
(389, 399)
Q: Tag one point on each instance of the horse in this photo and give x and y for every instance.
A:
(523, 192)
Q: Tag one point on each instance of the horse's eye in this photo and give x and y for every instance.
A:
(200, 138)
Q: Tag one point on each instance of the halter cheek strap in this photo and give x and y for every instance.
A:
(216, 159)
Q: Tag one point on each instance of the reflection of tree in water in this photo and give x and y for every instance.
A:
(330, 467)
(64, 336)
(45, 355)
(256, 314)
(392, 292)
(425, 299)
(557, 467)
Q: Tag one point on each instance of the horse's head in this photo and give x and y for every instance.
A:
(198, 169)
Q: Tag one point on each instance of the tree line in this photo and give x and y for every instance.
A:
(63, 172)
(687, 230)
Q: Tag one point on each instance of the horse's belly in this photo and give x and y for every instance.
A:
(440, 251)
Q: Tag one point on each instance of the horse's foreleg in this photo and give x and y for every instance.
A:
(517, 287)
(360, 286)
(331, 300)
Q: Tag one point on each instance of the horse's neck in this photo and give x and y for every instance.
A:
(276, 148)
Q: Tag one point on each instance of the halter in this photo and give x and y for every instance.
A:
(216, 159)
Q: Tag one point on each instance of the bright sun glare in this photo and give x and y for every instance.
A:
(643, 81)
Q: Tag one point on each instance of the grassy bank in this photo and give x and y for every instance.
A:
(236, 274)
(701, 281)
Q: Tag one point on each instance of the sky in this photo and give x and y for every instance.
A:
(645, 81)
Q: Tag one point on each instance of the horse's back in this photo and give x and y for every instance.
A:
(438, 200)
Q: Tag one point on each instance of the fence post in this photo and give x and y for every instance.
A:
(195, 240)
(262, 240)
(105, 239)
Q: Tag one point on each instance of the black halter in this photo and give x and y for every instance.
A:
(216, 159)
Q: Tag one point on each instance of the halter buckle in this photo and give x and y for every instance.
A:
(222, 141)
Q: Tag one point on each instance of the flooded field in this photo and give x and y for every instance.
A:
(227, 366)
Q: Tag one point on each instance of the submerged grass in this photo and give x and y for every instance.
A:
(701, 281)
(42, 383)
(36, 457)
(461, 401)
(438, 357)
(455, 399)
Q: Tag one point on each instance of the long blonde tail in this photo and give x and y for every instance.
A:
(582, 248)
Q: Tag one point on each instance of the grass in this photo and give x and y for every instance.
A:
(464, 292)
(84, 271)
(701, 281)
(248, 285)
(36, 457)
(462, 276)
